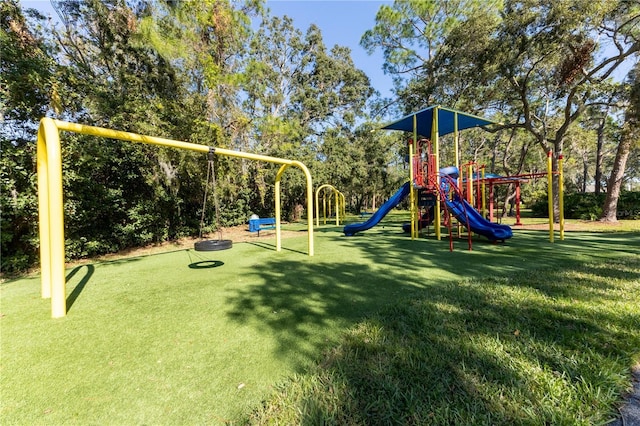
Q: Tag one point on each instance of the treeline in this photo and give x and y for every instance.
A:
(228, 74)
(192, 71)
(562, 76)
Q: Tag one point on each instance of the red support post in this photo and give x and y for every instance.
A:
(518, 223)
(490, 201)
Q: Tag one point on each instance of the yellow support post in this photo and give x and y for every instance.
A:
(51, 217)
(435, 133)
(50, 203)
(277, 207)
(456, 143)
(309, 202)
(413, 210)
(318, 205)
(561, 194)
(43, 211)
(337, 207)
(550, 193)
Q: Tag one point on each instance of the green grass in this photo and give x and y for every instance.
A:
(373, 329)
(534, 348)
(583, 225)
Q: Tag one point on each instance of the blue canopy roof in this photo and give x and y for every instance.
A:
(424, 119)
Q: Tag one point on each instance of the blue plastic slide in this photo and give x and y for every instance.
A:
(396, 199)
(477, 223)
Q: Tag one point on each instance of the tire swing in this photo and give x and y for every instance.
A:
(219, 244)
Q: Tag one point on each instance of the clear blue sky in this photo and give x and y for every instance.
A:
(342, 22)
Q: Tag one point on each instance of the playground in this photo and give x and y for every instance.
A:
(320, 213)
(530, 333)
(333, 320)
(446, 196)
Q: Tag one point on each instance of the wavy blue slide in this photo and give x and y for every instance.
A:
(396, 199)
(477, 223)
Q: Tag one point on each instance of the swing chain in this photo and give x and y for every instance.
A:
(211, 174)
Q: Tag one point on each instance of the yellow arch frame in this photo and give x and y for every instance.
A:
(50, 206)
(340, 207)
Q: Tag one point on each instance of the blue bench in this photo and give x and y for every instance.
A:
(256, 225)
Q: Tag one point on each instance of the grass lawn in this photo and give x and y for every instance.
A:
(374, 329)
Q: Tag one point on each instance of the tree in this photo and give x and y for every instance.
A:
(304, 100)
(630, 134)
(181, 70)
(27, 86)
(206, 40)
(542, 62)
(538, 40)
(411, 35)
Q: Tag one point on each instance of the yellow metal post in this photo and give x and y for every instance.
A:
(337, 206)
(456, 142)
(317, 208)
(435, 134)
(51, 220)
(561, 194)
(277, 205)
(412, 190)
(43, 212)
(309, 204)
(50, 207)
(550, 194)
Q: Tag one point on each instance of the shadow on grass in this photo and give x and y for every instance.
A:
(471, 354)
(272, 247)
(462, 336)
(397, 267)
(77, 290)
(80, 286)
(328, 228)
(206, 264)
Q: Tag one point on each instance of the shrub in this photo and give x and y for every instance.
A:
(588, 206)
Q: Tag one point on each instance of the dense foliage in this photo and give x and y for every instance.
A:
(227, 73)
(194, 71)
(588, 205)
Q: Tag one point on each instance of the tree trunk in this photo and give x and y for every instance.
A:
(614, 184)
(599, 155)
(585, 175)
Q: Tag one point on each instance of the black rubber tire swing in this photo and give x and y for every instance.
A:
(219, 244)
(212, 245)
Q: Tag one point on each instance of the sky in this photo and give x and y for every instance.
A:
(342, 22)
